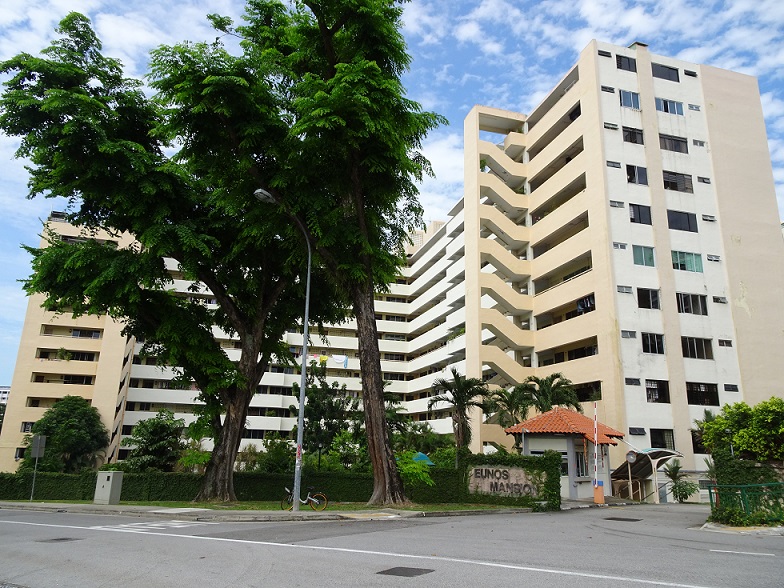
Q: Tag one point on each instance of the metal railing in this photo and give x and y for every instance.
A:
(749, 498)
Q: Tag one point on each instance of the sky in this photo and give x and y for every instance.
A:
(501, 53)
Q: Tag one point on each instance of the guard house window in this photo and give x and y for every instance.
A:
(657, 391)
(664, 72)
(682, 221)
(632, 135)
(673, 143)
(626, 63)
(637, 175)
(639, 213)
(647, 298)
(652, 343)
(629, 99)
(669, 106)
(662, 439)
(702, 394)
(643, 255)
(687, 262)
(696, 348)
(678, 182)
(692, 303)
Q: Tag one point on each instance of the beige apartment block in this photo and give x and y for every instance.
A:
(626, 234)
(62, 356)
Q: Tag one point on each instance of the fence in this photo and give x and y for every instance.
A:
(753, 502)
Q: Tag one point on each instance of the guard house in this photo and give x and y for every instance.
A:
(571, 434)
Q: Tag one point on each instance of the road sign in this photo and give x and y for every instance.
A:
(38, 445)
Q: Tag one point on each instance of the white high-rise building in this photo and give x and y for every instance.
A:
(624, 233)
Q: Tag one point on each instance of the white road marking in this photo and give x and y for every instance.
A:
(178, 510)
(743, 552)
(126, 529)
(153, 525)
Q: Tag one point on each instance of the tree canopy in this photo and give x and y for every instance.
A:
(312, 110)
(157, 443)
(75, 437)
(462, 394)
(755, 432)
(545, 393)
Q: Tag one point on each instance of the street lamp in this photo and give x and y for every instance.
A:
(264, 196)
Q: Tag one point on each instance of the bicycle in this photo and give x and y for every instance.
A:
(317, 500)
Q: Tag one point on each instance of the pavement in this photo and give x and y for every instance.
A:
(236, 516)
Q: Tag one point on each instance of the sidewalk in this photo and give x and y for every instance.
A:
(235, 516)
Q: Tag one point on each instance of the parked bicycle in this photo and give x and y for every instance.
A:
(317, 500)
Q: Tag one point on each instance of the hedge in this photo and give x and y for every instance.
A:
(451, 485)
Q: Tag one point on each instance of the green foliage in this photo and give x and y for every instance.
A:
(413, 472)
(75, 437)
(462, 394)
(444, 457)
(680, 485)
(731, 470)
(193, 458)
(417, 436)
(329, 409)
(756, 433)
(157, 443)
(543, 394)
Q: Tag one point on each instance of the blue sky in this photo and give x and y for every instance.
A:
(494, 52)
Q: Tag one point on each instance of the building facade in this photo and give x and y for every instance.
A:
(624, 233)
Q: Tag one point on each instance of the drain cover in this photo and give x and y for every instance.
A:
(58, 540)
(622, 519)
(405, 572)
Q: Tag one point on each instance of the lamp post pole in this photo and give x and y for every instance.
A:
(265, 196)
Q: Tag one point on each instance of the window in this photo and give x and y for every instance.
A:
(589, 391)
(725, 343)
(709, 217)
(626, 63)
(629, 99)
(394, 357)
(713, 257)
(636, 431)
(702, 180)
(632, 135)
(696, 348)
(657, 391)
(669, 106)
(652, 343)
(611, 126)
(643, 255)
(692, 303)
(698, 143)
(616, 204)
(628, 334)
(731, 388)
(702, 394)
(688, 72)
(685, 261)
(27, 427)
(662, 439)
(609, 89)
(127, 429)
(604, 53)
(664, 72)
(581, 466)
(673, 143)
(698, 447)
(694, 107)
(86, 334)
(720, 299)
(647, 298)
(625, 289)
(632, 381)
(616, 164)
(84, 380)
(617, 245)
(682, 221)
(639, 213)
(678, 182)
(637, 175)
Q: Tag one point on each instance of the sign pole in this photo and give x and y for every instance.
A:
(38, 445)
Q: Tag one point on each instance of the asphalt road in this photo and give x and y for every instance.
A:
(608, 547)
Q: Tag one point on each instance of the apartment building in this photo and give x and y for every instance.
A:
(624, 233)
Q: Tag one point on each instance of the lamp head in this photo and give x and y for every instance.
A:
(263, 196)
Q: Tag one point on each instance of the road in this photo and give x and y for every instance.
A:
(598, 547)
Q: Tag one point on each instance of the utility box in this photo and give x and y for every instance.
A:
(108, 487)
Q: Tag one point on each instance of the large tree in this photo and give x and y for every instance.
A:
(75, 437)
(94, 138)
(545, 393)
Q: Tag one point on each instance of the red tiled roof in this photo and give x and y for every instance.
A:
(565, 421)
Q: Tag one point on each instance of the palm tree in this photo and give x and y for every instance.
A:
(462, 394)
(509, 406)
(544, 393)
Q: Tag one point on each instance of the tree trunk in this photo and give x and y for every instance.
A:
(387, 485)
(218, 482)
